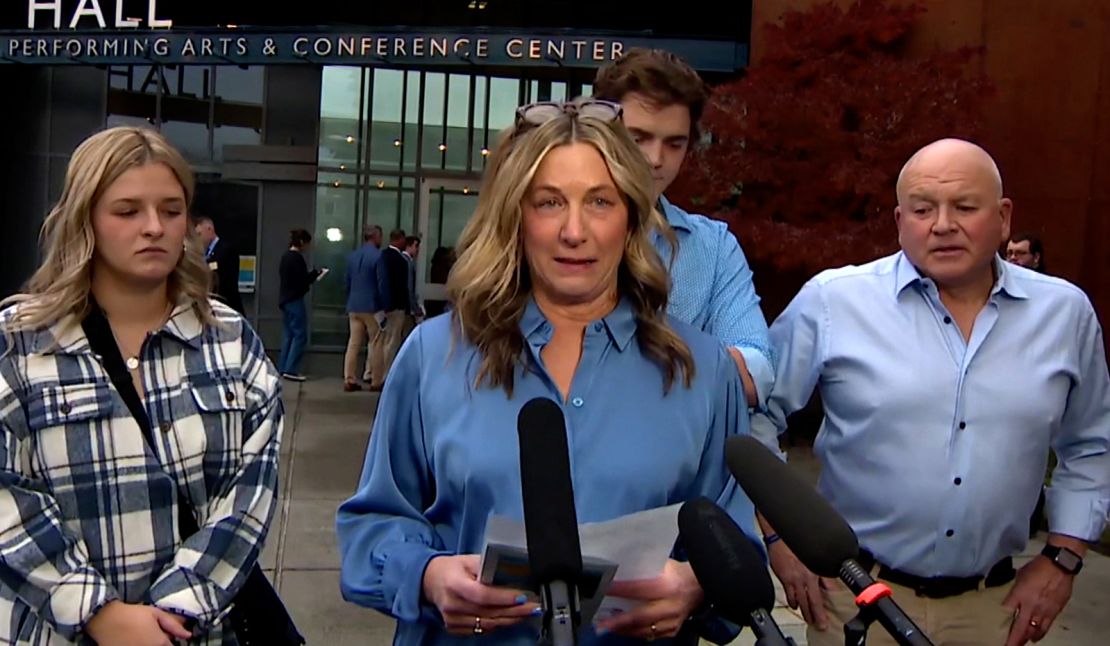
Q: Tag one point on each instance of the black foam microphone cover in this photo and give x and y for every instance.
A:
(550, 519)
(729, 568)
(807, 523)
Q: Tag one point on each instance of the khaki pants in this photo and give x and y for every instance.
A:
(974, 618)
(365, 332)
(398, 325)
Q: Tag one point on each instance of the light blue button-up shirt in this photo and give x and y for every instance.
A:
(712, 289)
(444, 456)
(933, 448)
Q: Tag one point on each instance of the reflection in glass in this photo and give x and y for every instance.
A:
(339, 104)
(335, 212)
(412, 113)
(481, 139)
(504, 95)
(385, 131)
(435, 144)
(458, 122)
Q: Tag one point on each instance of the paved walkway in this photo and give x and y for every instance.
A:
(325, 441)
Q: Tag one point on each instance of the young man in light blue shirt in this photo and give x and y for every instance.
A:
(662, 99)
(946, 375)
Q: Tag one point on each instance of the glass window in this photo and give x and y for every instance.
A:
(559, 91)
(185, 110)
(458, 122)
(381, 202)
(125, 97)
(234, 136)
(339, 108)
(334, 238)
(504, 96)
(386, 131)
(240, 85)
(412, 113)
(408, 205)
(237, 113)
(190, 138)
(435, 145)
(481, 139)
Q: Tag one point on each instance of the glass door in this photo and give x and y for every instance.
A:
(445, 206)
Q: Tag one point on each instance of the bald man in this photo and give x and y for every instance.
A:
(946, 374)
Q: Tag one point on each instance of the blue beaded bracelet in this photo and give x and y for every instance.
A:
(771, 539)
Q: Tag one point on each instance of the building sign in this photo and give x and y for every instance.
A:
(392, 48)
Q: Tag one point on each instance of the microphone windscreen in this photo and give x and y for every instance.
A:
(550, 519)
(807, 523)
(728, 566)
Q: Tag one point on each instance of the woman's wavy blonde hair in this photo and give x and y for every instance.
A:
(490, 283)
(62, 284)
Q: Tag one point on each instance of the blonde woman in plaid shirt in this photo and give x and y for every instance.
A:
(90, 546)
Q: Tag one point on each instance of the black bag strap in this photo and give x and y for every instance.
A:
(103, 342)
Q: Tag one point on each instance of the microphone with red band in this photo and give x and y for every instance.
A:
(730, 570)
(550, 518)
(817, 534)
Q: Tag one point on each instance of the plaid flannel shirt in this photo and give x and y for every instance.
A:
(89, 515)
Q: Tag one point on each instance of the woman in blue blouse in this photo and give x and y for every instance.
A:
(558, 293)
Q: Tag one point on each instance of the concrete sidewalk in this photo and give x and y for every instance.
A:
(325, 441)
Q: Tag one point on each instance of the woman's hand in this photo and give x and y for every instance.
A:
(669, 599)
(125, 624)
(467, 606)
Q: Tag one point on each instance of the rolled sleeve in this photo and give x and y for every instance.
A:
(762, 372)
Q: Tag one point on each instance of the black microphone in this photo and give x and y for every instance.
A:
(730, 570)
(550, 519)
(818, 535)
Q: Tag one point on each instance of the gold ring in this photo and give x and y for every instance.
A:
(477, 625)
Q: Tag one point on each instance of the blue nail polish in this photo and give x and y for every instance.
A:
(601, 631)
(521, 600)
(537, 611)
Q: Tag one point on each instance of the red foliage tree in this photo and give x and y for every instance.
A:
(807, 145)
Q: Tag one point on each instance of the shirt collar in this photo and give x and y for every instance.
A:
(68, 337)
(906, 274)
(620, 325)
(676, 217)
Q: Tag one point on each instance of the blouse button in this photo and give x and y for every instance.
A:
(165, 427)
(230, 396)
(65, 408)
(577, 402)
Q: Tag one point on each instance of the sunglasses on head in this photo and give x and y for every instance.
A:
(539, 113)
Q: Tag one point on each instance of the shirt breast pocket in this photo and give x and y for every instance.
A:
(221, 404)
(68, 425)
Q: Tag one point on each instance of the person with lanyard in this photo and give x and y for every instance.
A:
(140, 420)
(946, 375)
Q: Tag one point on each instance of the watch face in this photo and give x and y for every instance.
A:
(1068, 559)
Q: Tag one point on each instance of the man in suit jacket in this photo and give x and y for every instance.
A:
(223, 261)
(364, 310)
(394, 270)
(411, 251)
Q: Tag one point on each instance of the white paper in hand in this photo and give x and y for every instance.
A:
(639, 544)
